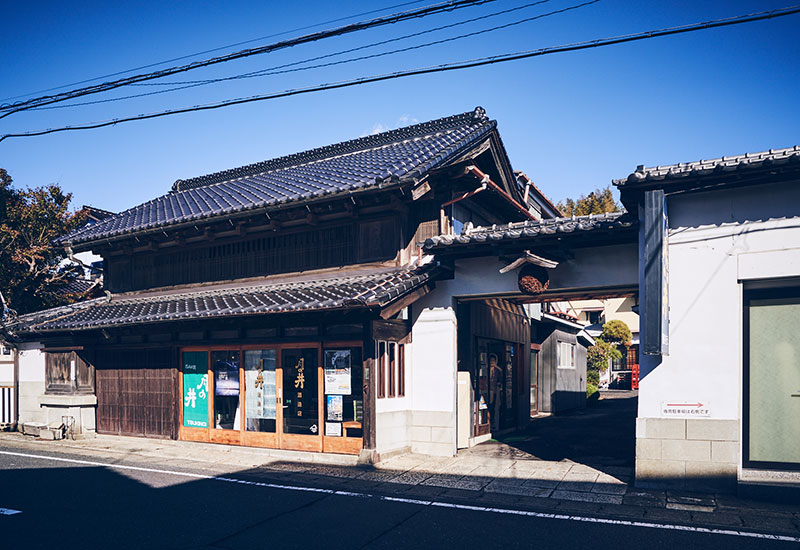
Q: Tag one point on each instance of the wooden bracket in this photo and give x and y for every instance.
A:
(528, 258)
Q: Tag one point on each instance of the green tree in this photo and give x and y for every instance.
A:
(32, 269)
(599, 201)
(606, 348)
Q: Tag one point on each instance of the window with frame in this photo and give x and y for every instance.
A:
(771, 378)
(68, 372)
(566, 355)
(391, 378)
(594, 317)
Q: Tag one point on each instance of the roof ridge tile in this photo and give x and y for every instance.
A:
(374, 141)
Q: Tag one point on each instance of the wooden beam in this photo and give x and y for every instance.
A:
(391, 310)
(528, 258)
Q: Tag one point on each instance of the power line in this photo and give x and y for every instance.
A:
(188, 56)
(353, 27)
(477, 62)
(274, 71)
(349, 50)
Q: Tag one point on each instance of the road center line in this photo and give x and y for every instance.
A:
(417, 502)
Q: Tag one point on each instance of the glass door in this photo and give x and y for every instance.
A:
(772, 378)
(260, 397)
(226, 390)
(534, 387)
(300, 399)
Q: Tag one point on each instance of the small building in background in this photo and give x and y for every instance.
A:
(560, 362)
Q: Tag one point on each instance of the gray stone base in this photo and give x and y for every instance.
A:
(693, 454)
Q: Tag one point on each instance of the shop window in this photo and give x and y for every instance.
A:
(227, 415)
(391, 378)
(344, 403)
(566, 355)
(401, 370)
(381, 360)
(260, 390)
(300, 391)
(68, 372)
(392, 359)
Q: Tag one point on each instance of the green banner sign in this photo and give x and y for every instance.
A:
(195, 389)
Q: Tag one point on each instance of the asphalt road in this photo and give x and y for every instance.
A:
(66, 501)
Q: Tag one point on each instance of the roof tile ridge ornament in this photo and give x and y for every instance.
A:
(476, 116)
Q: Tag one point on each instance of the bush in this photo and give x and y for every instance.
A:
(616, 332)
(592, 393)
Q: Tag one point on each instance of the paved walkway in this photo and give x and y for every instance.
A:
(510, 473)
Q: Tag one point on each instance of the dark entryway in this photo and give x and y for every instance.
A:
(136, 393)
(603, 435)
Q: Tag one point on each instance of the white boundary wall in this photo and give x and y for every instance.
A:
(716, 240)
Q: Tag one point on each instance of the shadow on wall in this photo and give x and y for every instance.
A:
(564, 401)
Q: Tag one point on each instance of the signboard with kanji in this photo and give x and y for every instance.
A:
(195, 389)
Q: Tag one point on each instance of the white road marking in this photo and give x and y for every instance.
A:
(9, 512)
(417, 502)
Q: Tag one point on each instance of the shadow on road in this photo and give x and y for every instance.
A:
(602, 436)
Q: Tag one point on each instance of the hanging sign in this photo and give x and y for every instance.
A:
(337, 372)
(195, 389)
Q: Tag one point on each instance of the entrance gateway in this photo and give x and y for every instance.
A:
(305, 397)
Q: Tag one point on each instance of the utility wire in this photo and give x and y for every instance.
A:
(349, 50)
(188, 56)
(274, 71)
(346, 29)
(477, 62)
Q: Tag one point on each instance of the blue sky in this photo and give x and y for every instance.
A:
(571, 121)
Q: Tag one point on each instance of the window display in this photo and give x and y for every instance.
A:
(226, 389)
(260, 390)
(343, 398)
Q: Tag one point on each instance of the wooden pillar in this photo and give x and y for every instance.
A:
(369, 429)
(368, 453)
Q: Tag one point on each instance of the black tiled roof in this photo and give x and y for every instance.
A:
(685, 170)
(403, 154)
(371, 289)
(78, 286)
(530, 229)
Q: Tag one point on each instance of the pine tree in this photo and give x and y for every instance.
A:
(599, 201)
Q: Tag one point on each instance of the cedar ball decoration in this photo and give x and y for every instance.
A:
(533, 279)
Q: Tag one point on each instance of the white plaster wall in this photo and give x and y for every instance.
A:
(595, 267)
(31, 384)
(717, 239)
(6, 372)
(393, 414)
(619, 309)
(31, 366)
(434, 358)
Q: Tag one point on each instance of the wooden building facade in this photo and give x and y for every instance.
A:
(270, 305)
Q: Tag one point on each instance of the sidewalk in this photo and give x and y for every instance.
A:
(497, 475)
